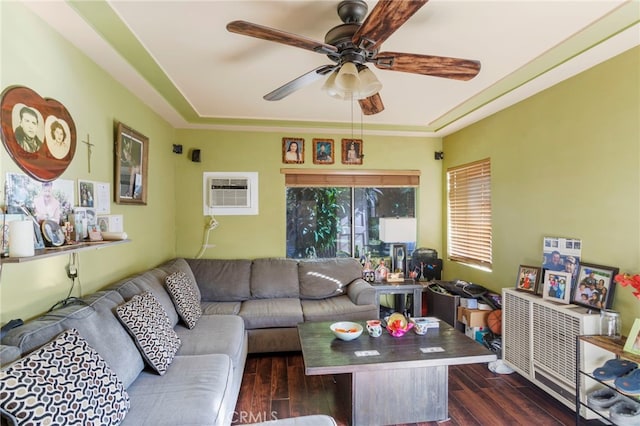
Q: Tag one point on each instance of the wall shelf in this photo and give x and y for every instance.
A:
(57, 251)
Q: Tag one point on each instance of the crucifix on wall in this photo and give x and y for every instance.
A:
(89, 151)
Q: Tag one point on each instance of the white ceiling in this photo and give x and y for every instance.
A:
(197, 74)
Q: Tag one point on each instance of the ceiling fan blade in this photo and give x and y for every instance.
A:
(299, 82)
(437, 66)
(271, 34)
(385, 18)
(371, 105)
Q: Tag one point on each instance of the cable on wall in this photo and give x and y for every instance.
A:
(213, 224)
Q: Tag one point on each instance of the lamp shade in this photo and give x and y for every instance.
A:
(369, 84)
(398, 230)
(347, 78)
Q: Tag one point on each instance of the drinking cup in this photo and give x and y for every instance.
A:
(420, 327)
(374, 328)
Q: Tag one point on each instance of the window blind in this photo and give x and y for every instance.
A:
(351, 178)
(469, 210)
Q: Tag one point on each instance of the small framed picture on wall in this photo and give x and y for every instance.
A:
(323, 152)
(293, 150)
(352, 151)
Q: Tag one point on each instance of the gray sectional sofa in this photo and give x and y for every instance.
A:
(243, 306)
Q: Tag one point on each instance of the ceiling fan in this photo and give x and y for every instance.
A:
(354, 43)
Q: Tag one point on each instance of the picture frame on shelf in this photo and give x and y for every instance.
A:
(399, 258)
(632, 343)
(293, 150)
(352, 151)
(595, 286)
(131, 164)
(528, 278)
(323, 151)
(557, 286)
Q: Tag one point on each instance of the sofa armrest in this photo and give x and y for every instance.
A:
(361, 292)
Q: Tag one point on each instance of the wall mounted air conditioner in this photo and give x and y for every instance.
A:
(230, 193)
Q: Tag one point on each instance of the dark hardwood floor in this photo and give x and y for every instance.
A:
(275, 386)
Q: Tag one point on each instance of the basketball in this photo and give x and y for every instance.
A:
(494, 321)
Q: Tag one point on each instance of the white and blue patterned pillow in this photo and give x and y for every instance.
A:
(183, 292)
(147, 322)
(64, 382)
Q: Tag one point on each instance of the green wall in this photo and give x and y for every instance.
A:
(265, 234)
(35, 56)
(565, 163)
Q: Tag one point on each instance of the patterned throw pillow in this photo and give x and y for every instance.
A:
(64, 382)
(185, 298)
(147, 322)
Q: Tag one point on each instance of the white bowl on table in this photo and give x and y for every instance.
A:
(346, 330)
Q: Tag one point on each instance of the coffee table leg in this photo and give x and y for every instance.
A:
(407, 395)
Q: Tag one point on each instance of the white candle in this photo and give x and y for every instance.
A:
(21, 242)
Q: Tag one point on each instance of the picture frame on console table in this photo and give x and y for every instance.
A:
(131, 164)
(557, 286)
(595, 286)
(528, 278)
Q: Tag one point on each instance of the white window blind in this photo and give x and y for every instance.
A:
(469, 210)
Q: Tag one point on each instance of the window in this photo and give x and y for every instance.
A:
(469, 210)
(337, 214)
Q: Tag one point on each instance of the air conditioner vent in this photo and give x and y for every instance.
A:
(516, 338)
(228, 192)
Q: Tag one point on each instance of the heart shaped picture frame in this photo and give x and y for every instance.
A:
(38, 133)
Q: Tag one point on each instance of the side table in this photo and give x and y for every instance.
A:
(408, 286)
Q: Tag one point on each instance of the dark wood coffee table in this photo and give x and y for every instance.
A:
(404, 382)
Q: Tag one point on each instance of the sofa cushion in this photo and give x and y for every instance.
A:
(182, 290)
(197, 390)
(220, 308)
(149, 325)
(153, 281)
(8, 354)
(222, 280)
(97, 323)
(180, 265)
(337, 307)
(64, 382)
(322, 278)
(215, 334)
(272, 277)
(266, 313)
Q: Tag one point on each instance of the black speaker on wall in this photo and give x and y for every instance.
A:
(195, 155)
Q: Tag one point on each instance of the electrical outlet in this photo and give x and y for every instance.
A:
(72, 271)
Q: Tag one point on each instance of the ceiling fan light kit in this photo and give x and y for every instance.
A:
(352, 83)
(351, 44)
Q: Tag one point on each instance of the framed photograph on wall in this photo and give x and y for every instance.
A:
(595, 286)
(352, 151)
(399, 258)
(557, 286)
(633, 341)
(38, 133)
(528, 278)
(323, 152)
(131, 163)
(292, 150)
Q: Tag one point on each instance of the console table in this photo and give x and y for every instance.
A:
(408, 286)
